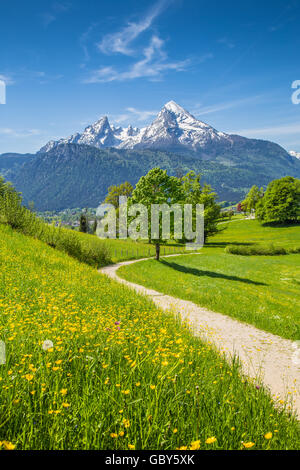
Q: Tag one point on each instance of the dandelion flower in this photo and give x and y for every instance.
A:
(47, 345)
(211, 440)
(8, 445)
(126, 423)
(195, 445)
(248, 445)
(269, 435)
(29, 377)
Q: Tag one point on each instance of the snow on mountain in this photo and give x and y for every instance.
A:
(295, 154)
(173, 129)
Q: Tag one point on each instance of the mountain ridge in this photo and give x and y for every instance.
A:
(174, 129)
(76, 172)
(77, 175)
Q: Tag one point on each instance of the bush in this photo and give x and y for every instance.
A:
(258, 250)
(294, 250)
(85, 248)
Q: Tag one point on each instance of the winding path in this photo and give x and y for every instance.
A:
(266, 357)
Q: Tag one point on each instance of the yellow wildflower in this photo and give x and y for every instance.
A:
(195, 445)
(211, 440)
(248, 445)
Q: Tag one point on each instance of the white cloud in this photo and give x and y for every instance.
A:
(274, 130)
(120, 41)
(153, 64)
(226, 42)
(57, 8)
(142, 115)
(133, 113)
(19, 134)
(199, 111)
(6, 79)
(83, 42)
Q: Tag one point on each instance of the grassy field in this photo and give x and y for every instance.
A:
(262, 290)
(120, 374)
(122, 250)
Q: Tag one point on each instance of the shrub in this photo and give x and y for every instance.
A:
(294, 250)
(258, 250)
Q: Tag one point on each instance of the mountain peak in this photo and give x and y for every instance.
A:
(175, 108)
(173, 129)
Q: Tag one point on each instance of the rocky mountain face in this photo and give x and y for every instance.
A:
(77, 175)
(295, 154)
(174, 129)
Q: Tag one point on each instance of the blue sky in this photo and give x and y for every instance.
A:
(66, 63)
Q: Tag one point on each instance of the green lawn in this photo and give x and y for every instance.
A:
(121, 374)
(122, 250)
(261, 290)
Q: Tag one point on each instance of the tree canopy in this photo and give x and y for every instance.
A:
(281, 202)
(116, 191)
(253, 197)
(157, 187)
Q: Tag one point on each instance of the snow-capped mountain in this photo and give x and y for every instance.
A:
(295, 154)
(174, 129)
(100, 135)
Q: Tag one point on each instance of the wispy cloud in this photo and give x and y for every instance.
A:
(7, 79)
(199, 110)
(142, 115)
(153, 64)
(286, 129)
(226, 42)
(83, 42)
(19, 133)
(120, 41)
(133, 113)
(54, 11)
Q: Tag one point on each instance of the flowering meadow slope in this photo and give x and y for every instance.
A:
(92, 365)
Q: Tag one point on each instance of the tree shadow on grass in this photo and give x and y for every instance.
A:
(200, 272)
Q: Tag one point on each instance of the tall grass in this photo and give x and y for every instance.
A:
(89, 250)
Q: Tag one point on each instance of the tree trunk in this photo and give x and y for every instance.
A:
(157, 246)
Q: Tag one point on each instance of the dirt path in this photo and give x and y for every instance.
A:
(273, 360)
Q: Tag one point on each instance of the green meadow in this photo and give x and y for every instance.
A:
(92, 365)
(261, 290)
